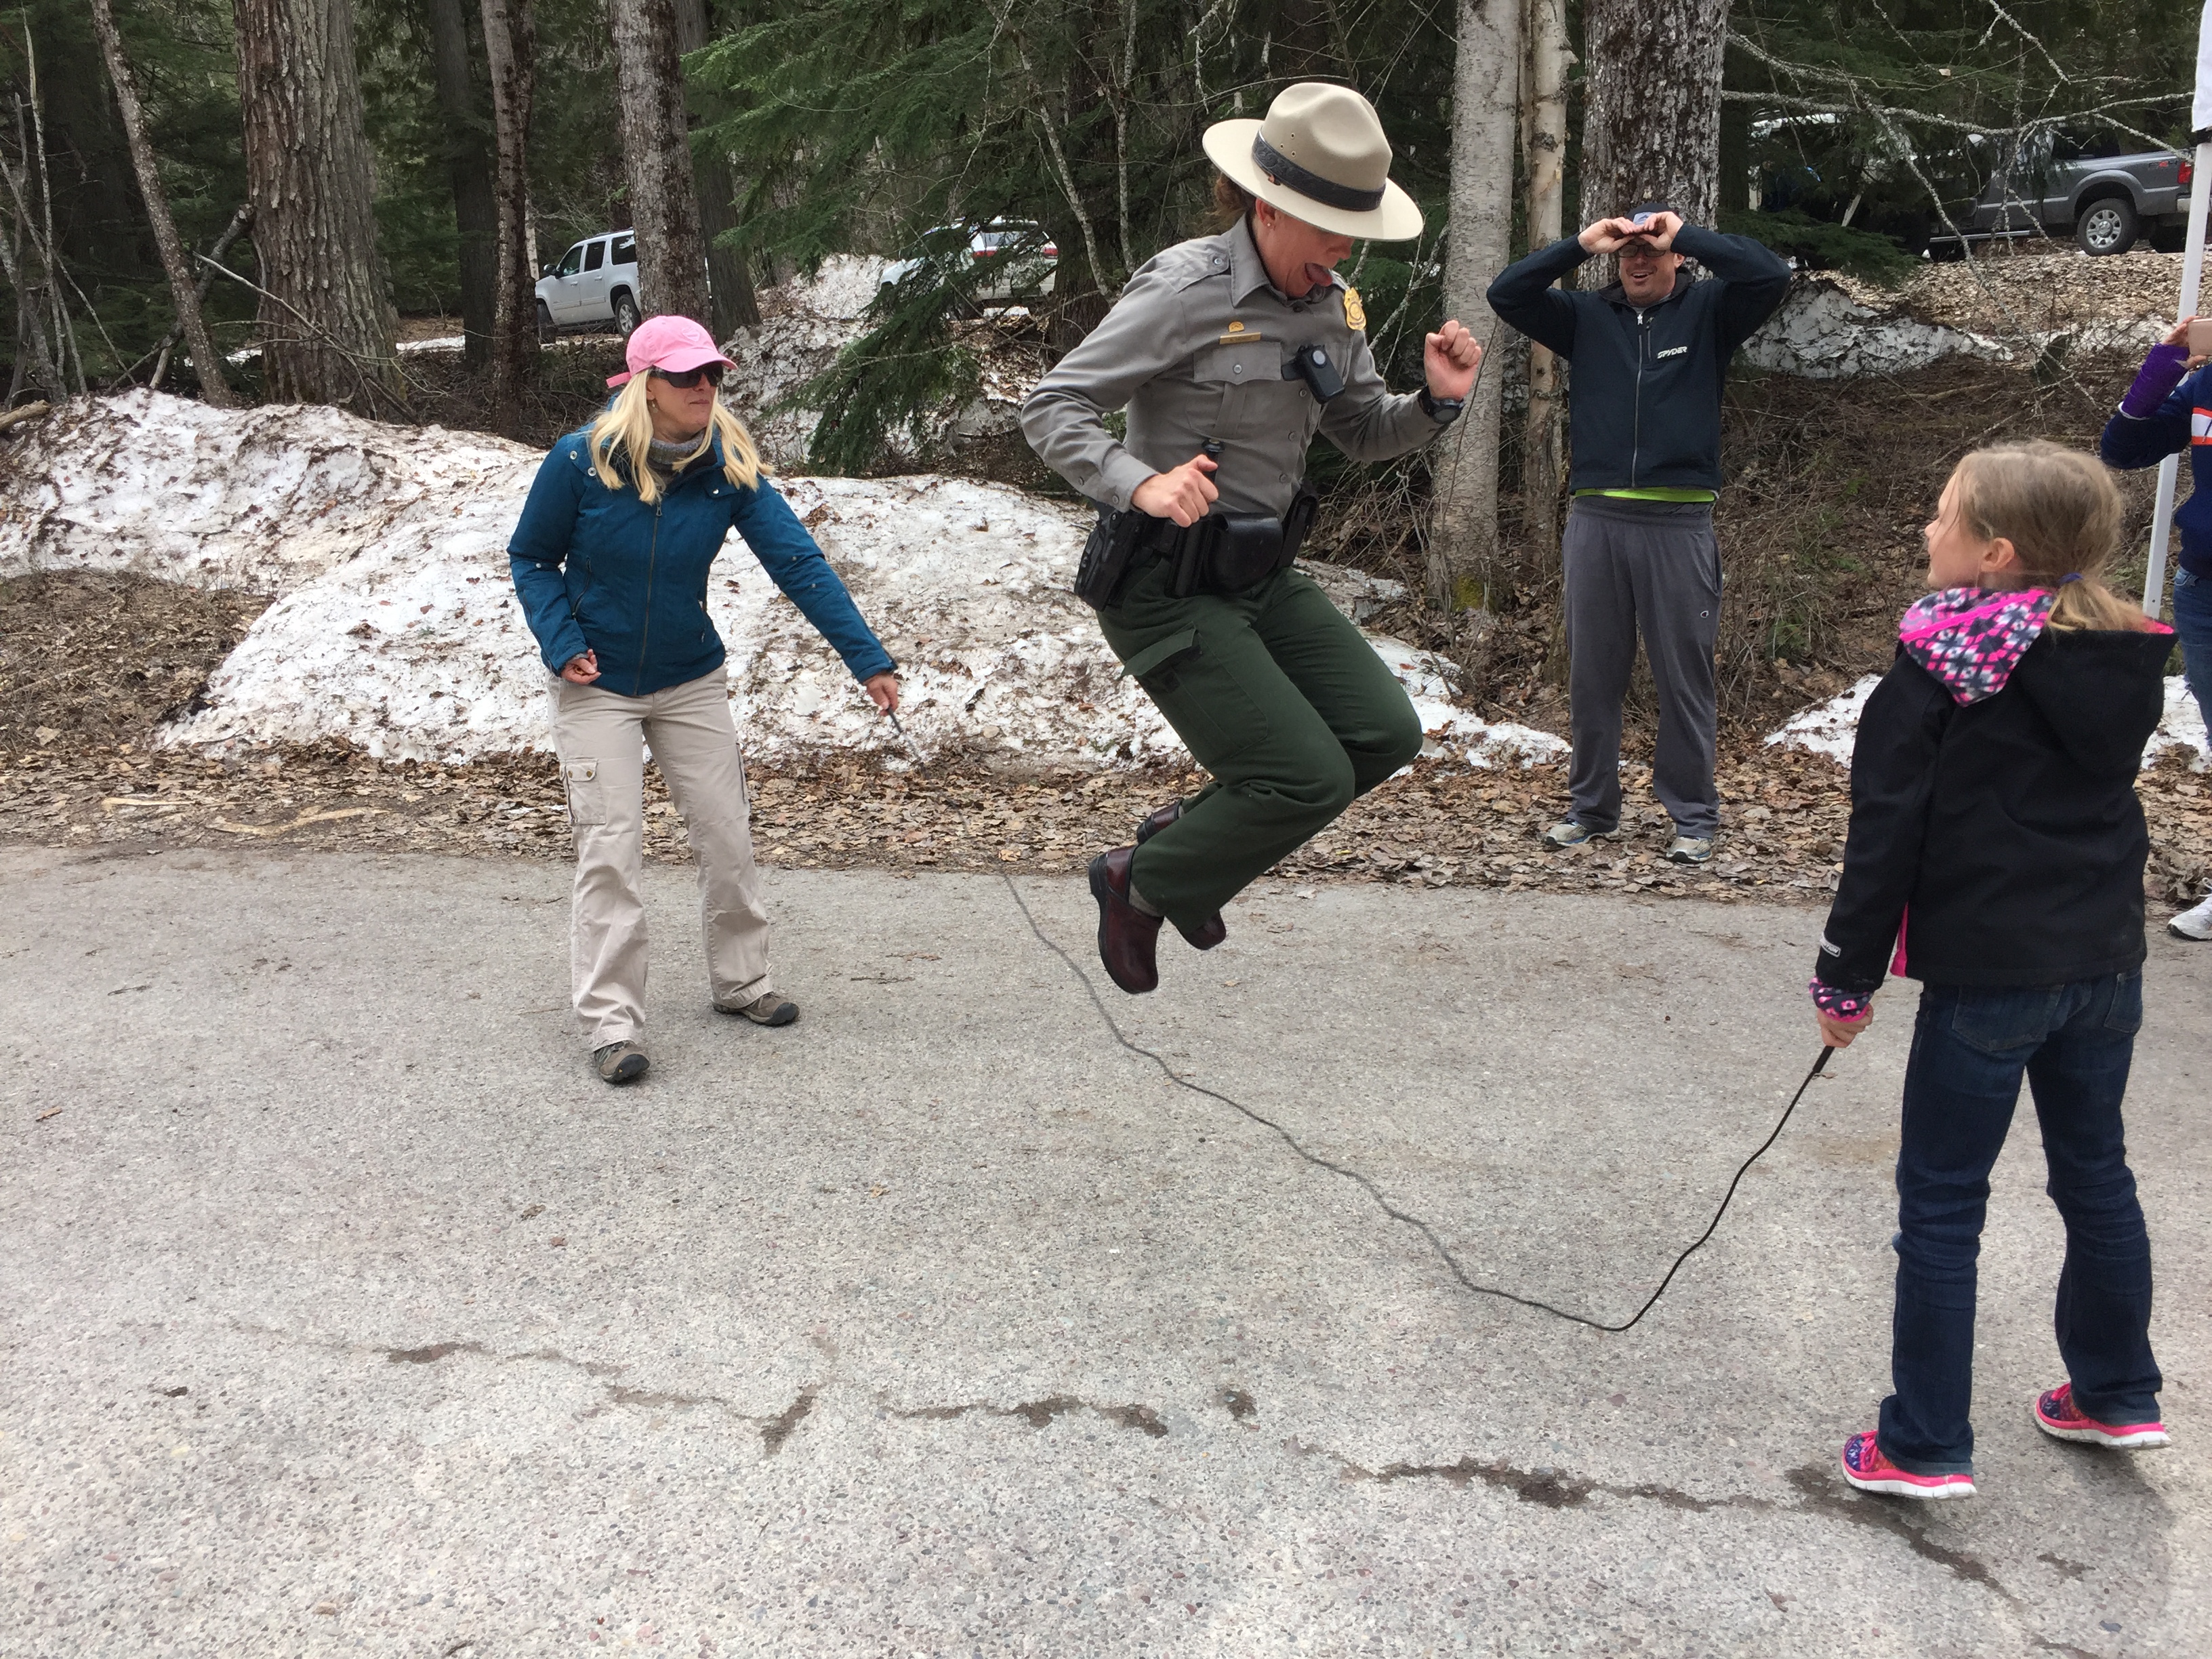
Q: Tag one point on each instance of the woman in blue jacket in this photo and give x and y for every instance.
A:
(610, 560)
(2167, 411)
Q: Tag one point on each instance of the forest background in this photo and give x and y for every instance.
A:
(443, 149)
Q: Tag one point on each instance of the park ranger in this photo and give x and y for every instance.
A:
(1230, 353)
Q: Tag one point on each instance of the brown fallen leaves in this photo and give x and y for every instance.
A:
(1784, 813)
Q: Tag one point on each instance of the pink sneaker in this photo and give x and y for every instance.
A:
(1865, 1467)
(2058, 1416)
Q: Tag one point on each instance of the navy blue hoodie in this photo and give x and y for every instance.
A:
(1645, 393)
(2184, 422)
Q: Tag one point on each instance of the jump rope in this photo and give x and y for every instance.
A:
(1381, 1200)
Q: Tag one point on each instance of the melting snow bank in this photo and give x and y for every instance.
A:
(1829, 728)
(395, 626)
(1823, 333)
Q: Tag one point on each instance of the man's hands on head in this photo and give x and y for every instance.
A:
(1612, 235)
(1183, 493)
(1450, 357)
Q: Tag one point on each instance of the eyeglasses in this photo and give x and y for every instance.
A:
(711, 374)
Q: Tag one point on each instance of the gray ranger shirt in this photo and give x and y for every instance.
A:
(1194, 349)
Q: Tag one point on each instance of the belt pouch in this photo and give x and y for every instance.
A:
(1246, 550)
(1194, 556)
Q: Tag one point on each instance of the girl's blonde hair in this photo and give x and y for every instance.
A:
(2061, 513)
(626, 429)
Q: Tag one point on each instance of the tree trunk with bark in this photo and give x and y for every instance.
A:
(672, 259)
(511, 54)
(729, 280)
(1651, 119)
(1462, 557)
(183, 290)
(326, 322)
(469, 166)
(1546, 147)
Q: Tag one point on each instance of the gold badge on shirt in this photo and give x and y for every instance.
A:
(1355, 314)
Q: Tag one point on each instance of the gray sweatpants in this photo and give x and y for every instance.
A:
(1651, 567)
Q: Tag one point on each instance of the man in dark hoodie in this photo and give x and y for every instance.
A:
(1648, 356)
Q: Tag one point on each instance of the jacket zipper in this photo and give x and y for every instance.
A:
(1636, 427)
(652, 557)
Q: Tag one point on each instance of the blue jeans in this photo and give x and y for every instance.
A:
(1970, 1047)
(2192, 620)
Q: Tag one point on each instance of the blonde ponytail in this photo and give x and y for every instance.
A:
(2061, 513)
(626, 429)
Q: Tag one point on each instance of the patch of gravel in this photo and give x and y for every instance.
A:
(2042, 286)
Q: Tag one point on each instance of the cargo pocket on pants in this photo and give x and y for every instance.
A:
(1214, 715)
(586, 797)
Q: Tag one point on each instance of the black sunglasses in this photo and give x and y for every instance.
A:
(711, 373)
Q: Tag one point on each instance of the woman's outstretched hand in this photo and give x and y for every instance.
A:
(883, 690)
(581, 669)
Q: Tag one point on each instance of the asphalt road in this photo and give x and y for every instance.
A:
(344, 1310)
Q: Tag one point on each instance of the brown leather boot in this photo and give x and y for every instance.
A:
(1209, 932)
(1126, 936)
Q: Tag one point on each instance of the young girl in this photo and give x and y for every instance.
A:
(1997, 839)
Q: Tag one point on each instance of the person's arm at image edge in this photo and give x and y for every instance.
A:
(2153, 420)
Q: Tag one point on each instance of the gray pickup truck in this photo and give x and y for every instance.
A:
(2092, 186)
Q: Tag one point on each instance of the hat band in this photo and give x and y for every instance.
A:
(1282, 170)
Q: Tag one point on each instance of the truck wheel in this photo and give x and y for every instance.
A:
(545, 328)
(626, 317)
(2107, 226)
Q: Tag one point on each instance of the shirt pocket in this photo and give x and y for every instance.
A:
(1257, 404)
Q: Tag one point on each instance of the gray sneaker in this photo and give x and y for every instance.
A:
(2193, 924)
(620, 1063)
(1690, 849)
(766, 1009)
(1569, 833)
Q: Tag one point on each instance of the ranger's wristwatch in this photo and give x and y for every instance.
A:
(1442, 410)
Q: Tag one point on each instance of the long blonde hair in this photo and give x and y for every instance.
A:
(626, 428)
(2061, 513)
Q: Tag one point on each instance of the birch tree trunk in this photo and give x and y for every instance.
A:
(1462, 555)
(182, 288)
(1652, 115)
(1546, 147)
(326, 322)
(729, 282)
(672, 259)
(469, 166)
(511, 54)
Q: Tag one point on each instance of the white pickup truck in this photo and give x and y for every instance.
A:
(593, 286)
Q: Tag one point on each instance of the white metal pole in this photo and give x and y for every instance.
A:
(2192, 276)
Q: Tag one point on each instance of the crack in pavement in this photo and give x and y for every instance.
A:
(1555, 1489)
(1037, 1414)
(774, 1431)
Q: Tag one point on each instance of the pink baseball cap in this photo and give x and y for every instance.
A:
(674, 345)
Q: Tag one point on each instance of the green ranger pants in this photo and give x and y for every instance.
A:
(1278, 696)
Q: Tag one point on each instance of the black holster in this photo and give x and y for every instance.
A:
(1108, 554)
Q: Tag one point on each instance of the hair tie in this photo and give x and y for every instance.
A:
(2070, 576)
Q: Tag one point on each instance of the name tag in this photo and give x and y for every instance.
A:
(1674, 352)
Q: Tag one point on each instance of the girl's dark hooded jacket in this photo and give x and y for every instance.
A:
(2004, 835)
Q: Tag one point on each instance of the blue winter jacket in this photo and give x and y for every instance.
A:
(2184, 422)
(597, 569)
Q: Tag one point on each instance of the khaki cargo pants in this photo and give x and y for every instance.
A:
(601, 737)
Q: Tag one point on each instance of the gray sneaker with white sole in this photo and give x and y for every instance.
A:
(1569, 833)
(1690, 849)
(2193, 924)
(620, 1063)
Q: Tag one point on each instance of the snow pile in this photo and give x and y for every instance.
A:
(1830, 727)
(806, 323)
(1824, 333)
(395, 628)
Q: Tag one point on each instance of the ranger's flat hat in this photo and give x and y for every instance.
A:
(1320, 156)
